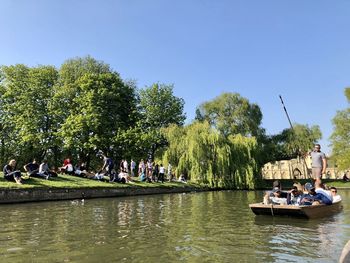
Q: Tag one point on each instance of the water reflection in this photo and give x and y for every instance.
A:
(200, 227)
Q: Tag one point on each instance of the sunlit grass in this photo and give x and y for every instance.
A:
(68, 181)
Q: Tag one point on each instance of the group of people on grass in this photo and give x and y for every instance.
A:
(33, 169)
(147, 172)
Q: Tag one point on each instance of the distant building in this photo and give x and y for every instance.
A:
(298, 168)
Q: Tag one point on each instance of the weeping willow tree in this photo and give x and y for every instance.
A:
(207, 157)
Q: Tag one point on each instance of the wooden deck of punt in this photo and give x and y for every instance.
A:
(310, 211)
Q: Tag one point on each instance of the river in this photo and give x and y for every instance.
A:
(193, 227)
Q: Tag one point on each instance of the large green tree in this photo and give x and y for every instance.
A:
(231, 114)
(206, 156)
(159, 108)
(26, 120)
(340, 138)
(93, 106)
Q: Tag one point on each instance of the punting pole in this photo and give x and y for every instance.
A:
(291, 125)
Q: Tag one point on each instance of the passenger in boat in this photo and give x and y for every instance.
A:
(334, 193)
(313, 198)
(319, 163)
(294, 197)
(277, 198)
(320, 188)
(276, 185)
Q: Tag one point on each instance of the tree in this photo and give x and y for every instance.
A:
(289, 143)
(159, 108)
(340, 138)
(103, 107)
(91, 106)
(26, 121)
(231, 114)
(208, 157)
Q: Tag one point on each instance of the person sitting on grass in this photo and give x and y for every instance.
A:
(81, 171)
(10, 172)
(44, 170)
(67, 167)
(32, 170)
(182, 179)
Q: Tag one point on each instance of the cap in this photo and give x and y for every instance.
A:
(276, 189)
(309, 186)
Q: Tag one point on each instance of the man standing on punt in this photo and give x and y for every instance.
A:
(319, 163)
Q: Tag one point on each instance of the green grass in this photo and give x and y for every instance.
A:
(68, 181)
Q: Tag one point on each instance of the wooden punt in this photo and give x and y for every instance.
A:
(310, 211)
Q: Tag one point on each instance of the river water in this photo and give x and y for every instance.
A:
(192, 227)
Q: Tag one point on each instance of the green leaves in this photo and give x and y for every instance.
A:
(340, 137)
(208, 157)
(231, 114)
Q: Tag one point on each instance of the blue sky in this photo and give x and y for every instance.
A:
(260, 49)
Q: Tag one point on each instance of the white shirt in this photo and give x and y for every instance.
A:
(324, 192)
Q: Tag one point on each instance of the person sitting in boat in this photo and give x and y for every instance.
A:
(277, 198)
(313, 198)
(276, 185)
(320, 188)
(294, 196)
(334, 193)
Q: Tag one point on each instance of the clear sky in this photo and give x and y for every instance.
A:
(261, 49)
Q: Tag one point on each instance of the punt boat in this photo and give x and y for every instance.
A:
(309, 211)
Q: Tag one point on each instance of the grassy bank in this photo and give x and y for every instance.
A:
(68, 181)
(74, 182)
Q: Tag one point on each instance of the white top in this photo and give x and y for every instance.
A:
(161, 169)
(43, 168)
(324, 192)
(336, 198)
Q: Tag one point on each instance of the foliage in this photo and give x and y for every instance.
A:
(26, 121)
(289, 143)
(159, 108)
(207, 157)
(231, 114)
(340, 138)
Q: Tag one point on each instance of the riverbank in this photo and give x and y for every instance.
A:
(65, 187)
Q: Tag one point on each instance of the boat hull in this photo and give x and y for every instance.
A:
(311, 211)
